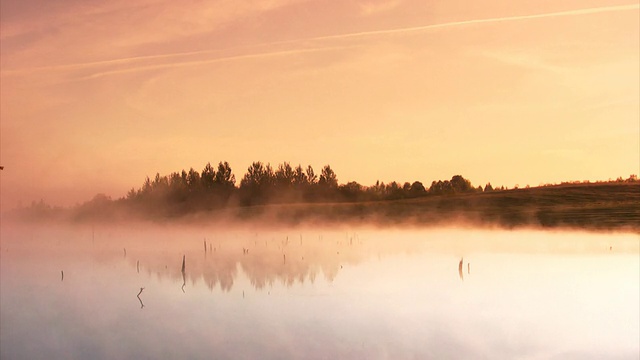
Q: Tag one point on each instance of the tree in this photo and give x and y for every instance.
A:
(406, 187)
(460, 184)
(393, 191)
(299, 176)
(328, 178)
(207, 176)
(416, 189)
(224, 177)
(193, 179)
(258, 175)
(132, 194)
(488, 187)
(312, 178)
(351, 191)
(284, 175)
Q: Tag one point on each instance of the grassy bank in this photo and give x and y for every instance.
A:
(611, 206)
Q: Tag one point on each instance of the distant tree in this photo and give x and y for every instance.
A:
(460, 184)
(146, 186)
(224, 176)
(441, 187)
(207, 176)
(284, 175)
(193, 180)
(258, 176)
(393, 191)
(417, 187)
(299, 176)
(328, 177)
(312, 178)
(132, 194)
(488, 187)
(406, 187)
(351, 191)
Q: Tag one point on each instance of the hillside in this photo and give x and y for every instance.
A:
(613, 206)
(610, 206)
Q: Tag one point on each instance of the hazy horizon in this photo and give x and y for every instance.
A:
(95, 96)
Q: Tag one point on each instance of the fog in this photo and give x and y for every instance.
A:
(247, 290)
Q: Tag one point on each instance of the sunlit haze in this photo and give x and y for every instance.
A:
(97, 95)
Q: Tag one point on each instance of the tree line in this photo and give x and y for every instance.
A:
(216, 187)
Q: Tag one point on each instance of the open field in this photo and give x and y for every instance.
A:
(611, 206)
(594, 207)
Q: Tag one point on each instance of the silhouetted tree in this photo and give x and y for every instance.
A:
(193, 180)
(224, 176)
(351, 191)
(256, 183)
(207, 176)
(460, 184)
(312, 178)
(328, 178)
(299, 176)
(416, 190)
(284, 176)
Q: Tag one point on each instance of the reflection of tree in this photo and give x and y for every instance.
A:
(261, 260)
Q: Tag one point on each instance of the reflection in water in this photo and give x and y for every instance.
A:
(141, 304)
(263, 261)
(300, 308)
(184, 281)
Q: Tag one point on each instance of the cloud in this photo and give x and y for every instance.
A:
(374, 8)
(208, 61)
(137, 63)
(481, 21)
(525, 60)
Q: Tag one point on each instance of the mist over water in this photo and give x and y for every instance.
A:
(107, 291)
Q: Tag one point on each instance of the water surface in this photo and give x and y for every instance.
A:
(74, 293)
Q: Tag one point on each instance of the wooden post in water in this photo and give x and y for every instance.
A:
(141, 304)
(184, 279)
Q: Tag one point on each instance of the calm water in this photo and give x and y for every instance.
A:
(72, 293)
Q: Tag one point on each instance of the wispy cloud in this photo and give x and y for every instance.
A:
(208, 61)
(373, 8)
(452, 24)
(525, 60)
(137, 63)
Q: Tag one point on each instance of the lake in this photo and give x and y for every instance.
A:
(120, 292)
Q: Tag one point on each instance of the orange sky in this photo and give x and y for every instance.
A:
(96, 95)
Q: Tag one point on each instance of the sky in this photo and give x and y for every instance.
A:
(97, 95)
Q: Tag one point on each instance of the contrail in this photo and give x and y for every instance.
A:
(361, 34)
(481, 21)
(210, 61)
